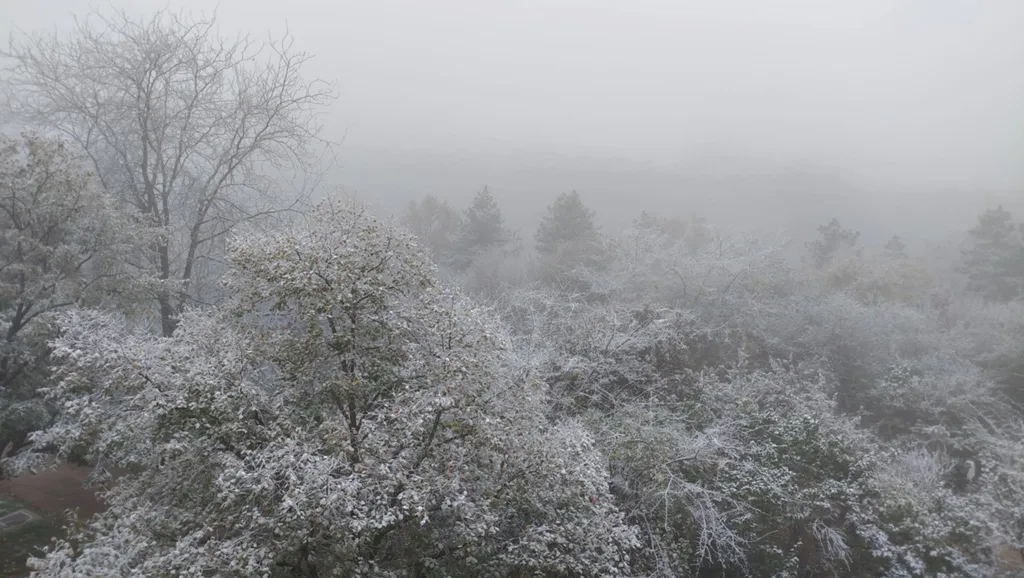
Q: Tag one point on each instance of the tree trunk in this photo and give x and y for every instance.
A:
(168, 312)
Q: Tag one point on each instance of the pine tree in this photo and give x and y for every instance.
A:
(482, 229)
(832, 239)
(568, 221)
(895, 248)
(994, 263)
(435, 223)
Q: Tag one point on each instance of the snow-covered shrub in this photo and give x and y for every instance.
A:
(913, 525)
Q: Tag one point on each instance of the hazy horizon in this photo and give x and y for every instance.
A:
(871, 99)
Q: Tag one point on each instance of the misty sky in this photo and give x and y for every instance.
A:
(923, 93)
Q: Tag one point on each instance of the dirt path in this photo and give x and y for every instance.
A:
(50, 492)
(47, 494)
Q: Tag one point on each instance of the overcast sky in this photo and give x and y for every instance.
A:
(924, 92)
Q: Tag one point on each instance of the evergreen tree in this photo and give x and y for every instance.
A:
(435, 223)
(994, 263)
(895, 248)
(832, 239)
(482, 228)
(568, 221)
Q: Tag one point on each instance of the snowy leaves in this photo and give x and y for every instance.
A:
(58, 236)
(344, 413)
(340, 414)
(729, 460)
(61, 245)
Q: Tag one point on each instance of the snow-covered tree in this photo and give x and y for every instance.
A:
(883, 278)
(750, 416)
(694, 231)
(436, 224)
(61, 242)
(994, 261)
(188, 129)
(833, 240)
(482, 228)
(568, 223)
(342, 415)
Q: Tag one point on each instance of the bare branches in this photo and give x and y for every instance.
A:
(195, 132)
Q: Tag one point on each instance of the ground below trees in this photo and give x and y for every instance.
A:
(48, 494)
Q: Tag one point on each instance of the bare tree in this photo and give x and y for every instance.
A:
(194, 132)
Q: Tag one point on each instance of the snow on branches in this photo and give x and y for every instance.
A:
(340, 415)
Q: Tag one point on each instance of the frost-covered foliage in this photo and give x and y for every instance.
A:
(342, 415)
(880, 279)
(993, 336)
(918, 526)
(763, 420)
(193, 132)
(677, 403)
(747, 472)
(60, 242)
(671, 401)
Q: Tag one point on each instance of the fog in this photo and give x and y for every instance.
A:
(768, 114)
(657, 288)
